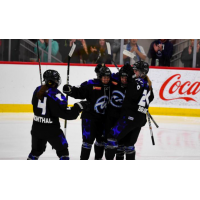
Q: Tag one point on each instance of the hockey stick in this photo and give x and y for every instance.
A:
(69, 58)
(150, 127)
(109, 53)
(39, 63)
(131, 55)
(128, 53)
(152, 119)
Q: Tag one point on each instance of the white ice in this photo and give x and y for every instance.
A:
(177, 138)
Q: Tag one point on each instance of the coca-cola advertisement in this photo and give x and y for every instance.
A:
(176, 88)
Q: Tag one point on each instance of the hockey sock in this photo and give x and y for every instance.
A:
(110, 154)
(63, 154)
(32, 157)
(85, 151)
(64, 157)
(120, 156)
(120, 153)
(111, 148)
(130, 156)
(99, 150)
(130, 152)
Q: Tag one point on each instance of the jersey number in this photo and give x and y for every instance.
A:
(42, 105)
(145, 98)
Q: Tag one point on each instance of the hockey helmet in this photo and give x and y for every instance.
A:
(52, 76)
(141, 66)
(104, 71)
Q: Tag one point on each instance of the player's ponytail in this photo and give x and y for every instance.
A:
(41, 92)
(149, 82)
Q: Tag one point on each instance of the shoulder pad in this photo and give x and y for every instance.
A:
(84, 83)
(92, 82)
(142, 82)
(56, 95)
(37, 89)
(115, 77)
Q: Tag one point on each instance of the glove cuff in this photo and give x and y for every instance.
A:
(69, 89)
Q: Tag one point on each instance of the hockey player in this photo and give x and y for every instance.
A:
(97, 92)
(48, 105)
(118, 90)
(139, 94)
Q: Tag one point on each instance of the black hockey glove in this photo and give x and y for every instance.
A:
(84, 105)
(131, 75)
(67, 89)
(127, 67)
(97, 68)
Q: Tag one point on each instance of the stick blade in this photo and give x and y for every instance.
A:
(108, 48)
(72, 50)
(152, 138)
(128, 53)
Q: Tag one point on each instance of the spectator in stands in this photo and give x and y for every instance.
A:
(115, 47)
(187, 55)
(99, 54)
(137, 50)
(80, 54)
(44, 44)
(126, 41)
(160, 52)
(91, 43)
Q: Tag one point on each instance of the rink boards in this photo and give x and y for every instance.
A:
(176, 90)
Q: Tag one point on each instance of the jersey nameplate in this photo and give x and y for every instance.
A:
(96, 88)
(42, 120)
(142, 109)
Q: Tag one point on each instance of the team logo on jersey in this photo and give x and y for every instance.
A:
(117, 99)
(101, 104)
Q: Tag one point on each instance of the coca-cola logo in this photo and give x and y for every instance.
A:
(175, 85)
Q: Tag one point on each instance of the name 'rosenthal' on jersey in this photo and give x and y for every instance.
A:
(42, 120)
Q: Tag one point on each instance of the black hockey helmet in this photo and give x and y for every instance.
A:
(51, 76)
(104, 71)
(141, 66)
(124, 71)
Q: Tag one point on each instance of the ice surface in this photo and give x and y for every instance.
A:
(177, 138)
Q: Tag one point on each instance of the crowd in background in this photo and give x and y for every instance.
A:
(95, 51)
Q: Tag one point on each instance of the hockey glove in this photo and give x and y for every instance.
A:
(127, 67)
(131, 75)
(97, 68)
(84, 105)
(67, 89)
